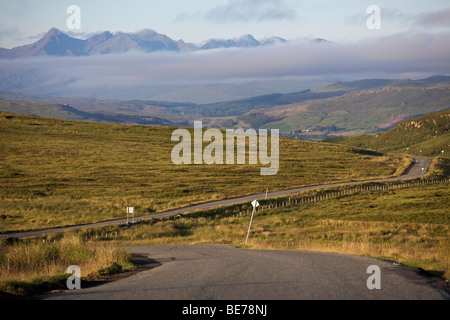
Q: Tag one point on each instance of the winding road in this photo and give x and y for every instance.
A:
(222, 272)
(415, 172)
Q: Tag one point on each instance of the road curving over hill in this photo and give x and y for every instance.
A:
(414, 172)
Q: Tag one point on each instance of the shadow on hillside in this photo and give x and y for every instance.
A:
(367, 152)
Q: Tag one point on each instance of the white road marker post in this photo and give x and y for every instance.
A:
(255, 204)
(130, 210)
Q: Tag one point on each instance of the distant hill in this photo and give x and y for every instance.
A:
(92, 105)
(366, 84)
(67, 112)
(272, 41)
(54, 43)
(338, 90)
(308, 114)
(247, 41)
(427, 136)
(341, 109)
(243, 106)
(358, 112)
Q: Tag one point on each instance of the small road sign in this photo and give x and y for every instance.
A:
(255, 204)
(130, 210)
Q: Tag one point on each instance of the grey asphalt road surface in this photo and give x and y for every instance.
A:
(414, 172)
(221, 272)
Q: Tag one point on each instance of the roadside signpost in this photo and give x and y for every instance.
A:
(130, 210)
(255, 204)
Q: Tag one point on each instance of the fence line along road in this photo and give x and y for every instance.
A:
(415, 172)
(244, 209)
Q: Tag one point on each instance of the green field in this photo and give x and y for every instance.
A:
(57, 172)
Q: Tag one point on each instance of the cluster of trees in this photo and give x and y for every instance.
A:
(327, 129)
(256, 119)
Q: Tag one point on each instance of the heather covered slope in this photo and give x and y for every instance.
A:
(427, 136)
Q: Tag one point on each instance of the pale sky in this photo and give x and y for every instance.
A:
(25, 21)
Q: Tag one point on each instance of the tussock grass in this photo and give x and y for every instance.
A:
(439, 168)
(32, 266)
(408, 225)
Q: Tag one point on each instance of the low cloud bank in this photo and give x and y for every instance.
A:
(397, 56)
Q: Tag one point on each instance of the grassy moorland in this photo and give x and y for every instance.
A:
(409, 225)
(423, 136)
(58, 172)
(368, 111)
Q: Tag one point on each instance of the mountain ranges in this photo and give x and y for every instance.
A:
(57, 43)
